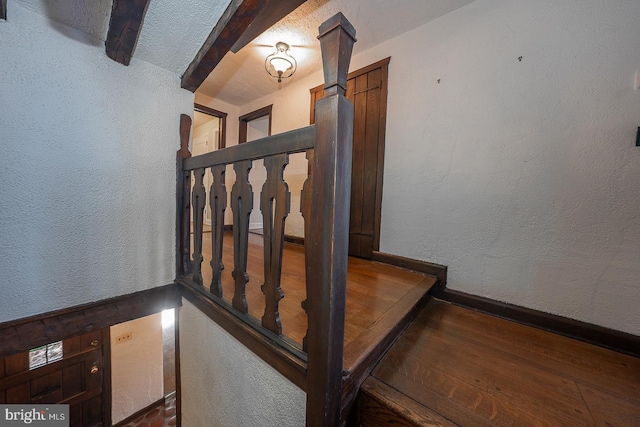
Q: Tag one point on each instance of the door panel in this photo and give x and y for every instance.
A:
(76, 379)
(367, 91)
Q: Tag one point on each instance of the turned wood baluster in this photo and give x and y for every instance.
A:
(242, 205)
(275, 204)
(198, 201)
(305, 209)
(183, 205)
(329, 233)
(218, 204)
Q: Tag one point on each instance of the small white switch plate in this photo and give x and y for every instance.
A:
(636, 84)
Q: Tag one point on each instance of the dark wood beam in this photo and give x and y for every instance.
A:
(265, 20)
(124, 28)
(3, 9)
(230, 31)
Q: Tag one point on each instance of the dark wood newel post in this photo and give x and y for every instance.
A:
(183, 190)
(329, 231)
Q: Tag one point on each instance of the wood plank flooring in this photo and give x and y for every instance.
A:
(454, 366)
(377, 294)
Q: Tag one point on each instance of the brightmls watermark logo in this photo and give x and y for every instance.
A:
(35, 415)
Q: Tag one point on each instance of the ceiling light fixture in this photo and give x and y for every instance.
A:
(281, 64)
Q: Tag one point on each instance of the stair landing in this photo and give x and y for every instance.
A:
(458, 367)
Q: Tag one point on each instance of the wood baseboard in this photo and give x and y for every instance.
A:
(437, 270)
(30, 332)
(294, 239)
(604, 337)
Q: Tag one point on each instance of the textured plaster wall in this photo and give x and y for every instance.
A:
(223, 384)
(136, 366)
(521, 176)
(87, 202)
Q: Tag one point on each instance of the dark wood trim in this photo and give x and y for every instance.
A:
(183, 188)
(242, 21)
(609, 338)
(384, 63)
(157, 404)
(278, 357)
(24, 334)
(222, 143)
(177, 369)
(107, 398)
(327, 256)
(231, 25)
(295, 141)
(125, 25)
(265, 20)
(246, 118)
(3, 9)
(382, 136)
(294, 239)
(437, 270)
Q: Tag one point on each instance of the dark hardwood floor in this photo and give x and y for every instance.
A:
(454, 366)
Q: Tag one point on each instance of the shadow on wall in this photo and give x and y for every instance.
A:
(84, 21)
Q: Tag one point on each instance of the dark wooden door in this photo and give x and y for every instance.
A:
(367, 90)
(76, 379)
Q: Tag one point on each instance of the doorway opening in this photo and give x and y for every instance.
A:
(209, 134)
(252, 126)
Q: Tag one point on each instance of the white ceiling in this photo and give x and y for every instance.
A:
(173, 32)
(241, 77)
(171, 35)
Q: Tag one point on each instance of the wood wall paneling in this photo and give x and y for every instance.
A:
(23, 334)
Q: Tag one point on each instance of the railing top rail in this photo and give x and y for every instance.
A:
(294, 141)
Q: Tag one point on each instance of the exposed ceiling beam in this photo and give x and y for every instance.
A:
(124, 28)
(3, 9)
(265, 20)
(234, 23)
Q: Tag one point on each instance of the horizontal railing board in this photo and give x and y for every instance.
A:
(295, 141)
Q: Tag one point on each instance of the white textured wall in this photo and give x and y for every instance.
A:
(223, 384)
(136, 366)
(521, 176)
(87, 201)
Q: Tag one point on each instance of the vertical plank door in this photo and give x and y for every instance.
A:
(367, 91)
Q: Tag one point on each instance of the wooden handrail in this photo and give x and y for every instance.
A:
(325, 207)
(295, 141)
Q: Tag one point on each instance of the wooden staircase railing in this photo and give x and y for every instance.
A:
(325, 208)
